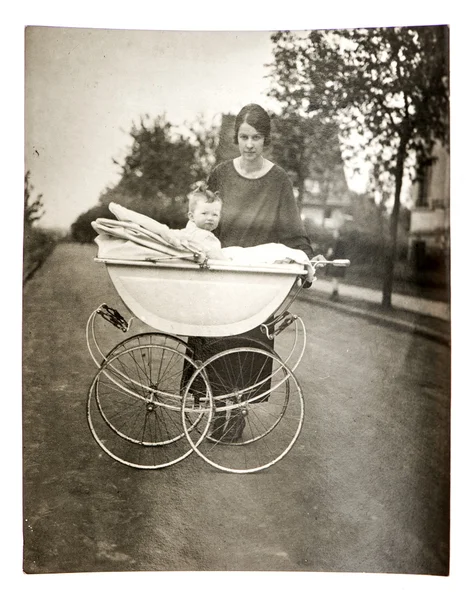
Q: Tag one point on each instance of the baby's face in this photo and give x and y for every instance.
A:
(206, 215)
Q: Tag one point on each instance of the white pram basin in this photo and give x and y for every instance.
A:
(186, 299)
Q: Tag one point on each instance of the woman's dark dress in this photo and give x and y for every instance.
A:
(255, 211)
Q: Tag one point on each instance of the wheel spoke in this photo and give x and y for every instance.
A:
(260, 420)
(134, 403)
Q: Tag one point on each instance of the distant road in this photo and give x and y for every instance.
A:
(365, 488)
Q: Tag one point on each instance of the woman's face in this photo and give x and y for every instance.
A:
(250, 142)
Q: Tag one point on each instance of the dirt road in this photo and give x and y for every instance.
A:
(365, 488)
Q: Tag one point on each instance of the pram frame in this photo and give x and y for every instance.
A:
(197, 414)
(225, 299)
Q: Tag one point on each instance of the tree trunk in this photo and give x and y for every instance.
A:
(300, 186)
(391, 250)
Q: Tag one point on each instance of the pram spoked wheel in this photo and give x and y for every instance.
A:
(150, 337)
(257, 408)
(134, 407)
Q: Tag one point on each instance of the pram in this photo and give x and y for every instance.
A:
(145, 414)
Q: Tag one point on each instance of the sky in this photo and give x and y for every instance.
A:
(85, 87)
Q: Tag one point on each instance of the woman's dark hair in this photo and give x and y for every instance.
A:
(257, 117)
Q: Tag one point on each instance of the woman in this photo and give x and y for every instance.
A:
(258, 199)
(258, 208)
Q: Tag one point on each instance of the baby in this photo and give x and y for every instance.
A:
(204, 211)
(204, 215)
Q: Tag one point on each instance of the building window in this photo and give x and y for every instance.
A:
(423, 183)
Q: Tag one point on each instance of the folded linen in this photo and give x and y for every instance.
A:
(141, 237)
(122, 248)
(126, 214)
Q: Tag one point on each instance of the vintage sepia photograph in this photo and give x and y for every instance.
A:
(236, 323)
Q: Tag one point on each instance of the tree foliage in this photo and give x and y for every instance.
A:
(156, 173)
(204, 138)
(159, 161)
(161, 166)
(81, 230)
(306, 148)
(388, 85)
(384, 83)
(33, 208)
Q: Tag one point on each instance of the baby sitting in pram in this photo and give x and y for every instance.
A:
(204, 215)
(203, 218)
(204, 212)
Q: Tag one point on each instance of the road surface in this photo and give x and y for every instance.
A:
(364, 489)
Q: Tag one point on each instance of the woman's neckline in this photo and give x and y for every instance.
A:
(269, 167)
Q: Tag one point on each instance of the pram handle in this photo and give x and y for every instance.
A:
(321, 262)
(338, 262)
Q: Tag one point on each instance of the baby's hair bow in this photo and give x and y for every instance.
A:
(200, 186)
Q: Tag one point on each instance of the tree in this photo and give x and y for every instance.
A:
(156, 173)
(160, 160)
(306, 147)
(33, 207)
(204, 138)
(161, 166)
(81, 230)
(390, 86)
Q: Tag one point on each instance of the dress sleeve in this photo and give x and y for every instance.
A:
(291, 228)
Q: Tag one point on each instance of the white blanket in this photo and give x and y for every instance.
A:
(265, 253)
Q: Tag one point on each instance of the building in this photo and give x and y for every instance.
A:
(430, 215)
(327, 200)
